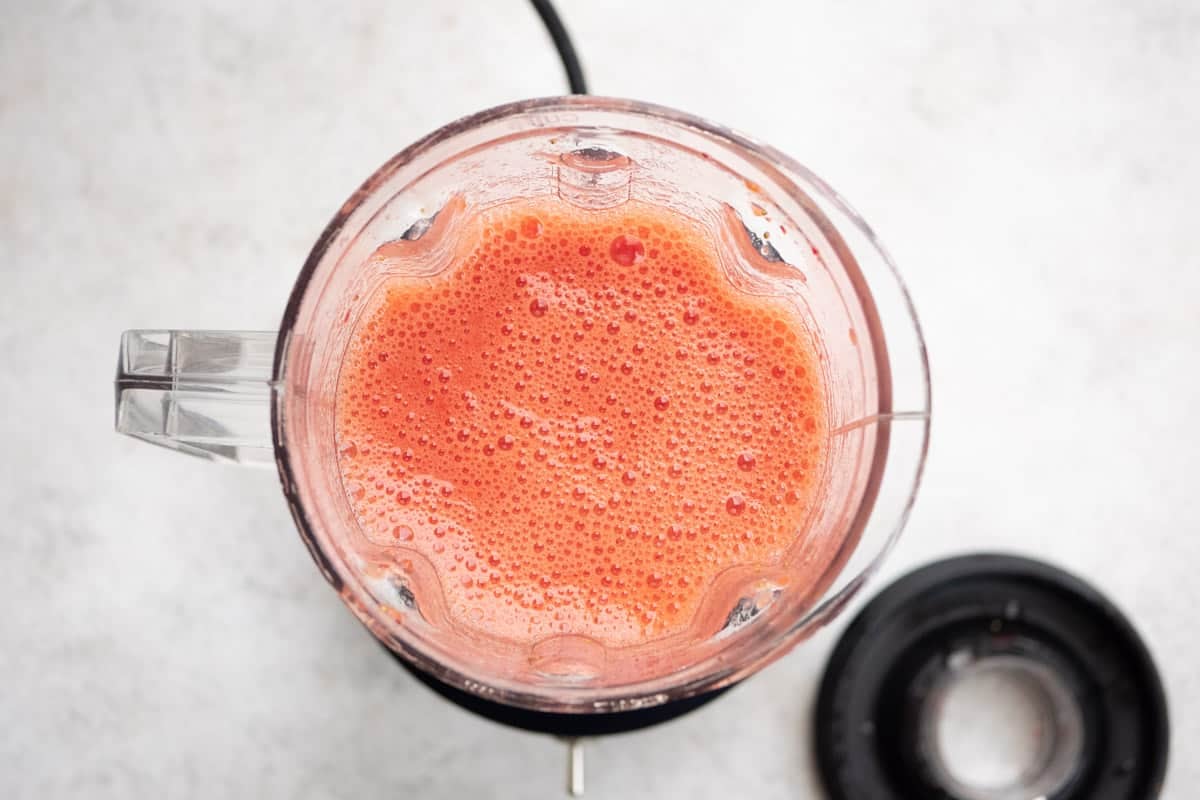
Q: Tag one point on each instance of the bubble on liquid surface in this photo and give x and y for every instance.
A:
(626, 250)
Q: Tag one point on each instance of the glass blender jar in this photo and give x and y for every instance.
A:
(266, 398)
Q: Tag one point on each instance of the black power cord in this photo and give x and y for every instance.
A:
(562, 42)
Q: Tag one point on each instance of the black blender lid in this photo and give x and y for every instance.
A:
(884, 688)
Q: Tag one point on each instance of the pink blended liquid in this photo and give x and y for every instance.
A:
(581, 423)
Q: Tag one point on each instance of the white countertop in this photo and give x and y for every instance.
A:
(1033, 168)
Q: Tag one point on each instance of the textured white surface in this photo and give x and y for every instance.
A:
(1033, 167)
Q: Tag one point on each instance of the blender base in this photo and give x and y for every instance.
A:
(561, 724)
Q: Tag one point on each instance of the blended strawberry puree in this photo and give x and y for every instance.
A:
(581, 423)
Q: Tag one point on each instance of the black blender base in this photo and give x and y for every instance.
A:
(559, 724)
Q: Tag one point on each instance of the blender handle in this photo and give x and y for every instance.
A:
(207, 393)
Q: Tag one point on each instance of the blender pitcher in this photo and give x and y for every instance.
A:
(263, 398)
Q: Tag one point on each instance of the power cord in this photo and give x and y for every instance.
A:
(562, 43)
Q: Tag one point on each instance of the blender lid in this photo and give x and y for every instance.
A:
(1102, 728)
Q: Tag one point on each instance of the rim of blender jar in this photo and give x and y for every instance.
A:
(823, 605)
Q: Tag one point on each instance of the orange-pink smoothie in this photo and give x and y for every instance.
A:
(580, 424)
